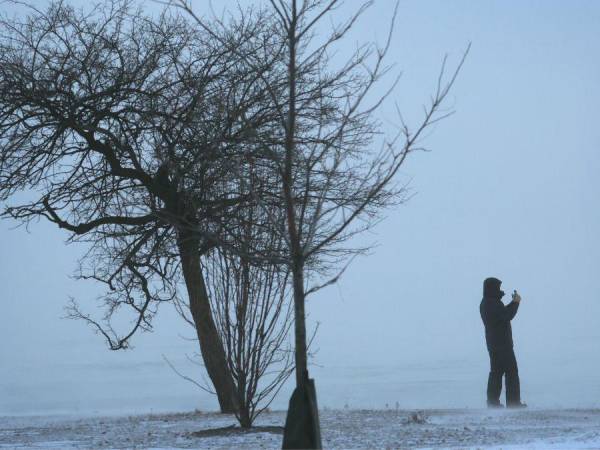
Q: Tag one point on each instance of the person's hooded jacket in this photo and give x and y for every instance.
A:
(496, 317)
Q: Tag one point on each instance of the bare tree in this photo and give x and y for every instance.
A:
(251, 304)
(253, 315)
(123, 131)
(336, 167)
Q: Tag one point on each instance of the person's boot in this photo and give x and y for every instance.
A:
(516, 405)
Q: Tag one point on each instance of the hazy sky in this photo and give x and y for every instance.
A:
(509, 190)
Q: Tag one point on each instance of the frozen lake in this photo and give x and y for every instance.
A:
(138, 387)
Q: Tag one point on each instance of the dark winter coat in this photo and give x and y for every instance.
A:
(496, 317)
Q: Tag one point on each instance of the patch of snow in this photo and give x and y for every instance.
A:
(457, 428)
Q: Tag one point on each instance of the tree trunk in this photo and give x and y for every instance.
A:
(300, 326)
(211, 346)
(244, 418)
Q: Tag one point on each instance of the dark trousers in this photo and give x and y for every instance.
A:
(503, 362)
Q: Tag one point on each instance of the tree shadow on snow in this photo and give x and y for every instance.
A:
(234, 430)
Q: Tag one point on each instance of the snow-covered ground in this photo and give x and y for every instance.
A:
(347, 428)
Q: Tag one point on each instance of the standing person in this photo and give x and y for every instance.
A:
(498, 336)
